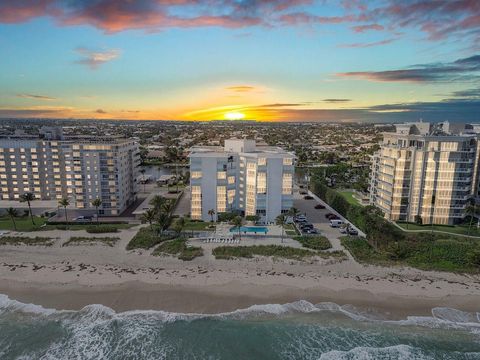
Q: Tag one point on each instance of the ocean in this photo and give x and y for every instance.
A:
(298, 330)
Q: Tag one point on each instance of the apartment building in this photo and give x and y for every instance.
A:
(427, 171)
(81, 169)
(243, 177)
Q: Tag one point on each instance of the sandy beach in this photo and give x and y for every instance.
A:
(74, 276)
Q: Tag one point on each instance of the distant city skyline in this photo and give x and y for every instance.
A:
(271, 60)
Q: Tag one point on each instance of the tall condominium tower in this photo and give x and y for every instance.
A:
(80, 169)
(243, 177)
(426, 171)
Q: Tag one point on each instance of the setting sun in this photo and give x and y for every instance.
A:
(234, 115)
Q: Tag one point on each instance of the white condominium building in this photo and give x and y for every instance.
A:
(80, 169)
(241, 177)
(427, 171)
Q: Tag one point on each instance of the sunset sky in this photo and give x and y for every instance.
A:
(275, 60)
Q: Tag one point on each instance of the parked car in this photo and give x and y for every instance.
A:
(308, 197)
(327, 215)
(302, 220)
(332, 217)
(83, 218)
(343, 230)
(303, 192)
(336, 223)
(306, 226)
(312, 231)
(352, 231)
(319, 206)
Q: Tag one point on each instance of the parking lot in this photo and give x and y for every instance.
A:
(318, 219)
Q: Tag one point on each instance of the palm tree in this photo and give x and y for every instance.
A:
(281, 220)
(157, 202)
(238, 221)
(293, 212)
(178, 225)
(168, 207)
(64, 202)
(470, 210)
(97, 203)
(28, 197)
(142, 171)
(211, 212)
(149, 216)
(13, 214)
(162, 219)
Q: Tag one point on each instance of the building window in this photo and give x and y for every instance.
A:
(231, 180)
(287, 161)
(221, 175)
(287, 183)
(262, 183)
(262, 161)
(196, 174)
(196, 206)
(221, 199)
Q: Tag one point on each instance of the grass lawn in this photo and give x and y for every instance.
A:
(454, 229)
(198, 226)
(80, 240)
(24, 223)
(441, 252)
(290, 230)
(91, 226)
(348, 195)
(24, 240)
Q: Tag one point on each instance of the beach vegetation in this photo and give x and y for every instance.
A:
(316, 242)
(102, 229)
(25, 240)
(178, 247)
(145, 238)
(440, 252)
(81, 240)
(230, 252)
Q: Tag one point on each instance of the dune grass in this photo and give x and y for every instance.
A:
(81, 240)
(179, 248)
(316, 242)
(25, 240)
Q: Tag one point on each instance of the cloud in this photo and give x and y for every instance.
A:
(101, 111)
(438, 19)
(94, 59)
(468, 93)
(333, 101)
(241, 88)
(36, 97)
(363, 28)
(367, 45)
(118, 15)
(466, 69)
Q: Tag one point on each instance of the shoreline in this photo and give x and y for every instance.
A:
(225, 298)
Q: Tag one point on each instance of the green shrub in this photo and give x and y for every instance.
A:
(178, 247)
(314, 242)
(101, 229)
(110, 241)
(229, 252)
(146, 238)
(25, 240)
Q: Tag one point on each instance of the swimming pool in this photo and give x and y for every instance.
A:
(250, 229)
